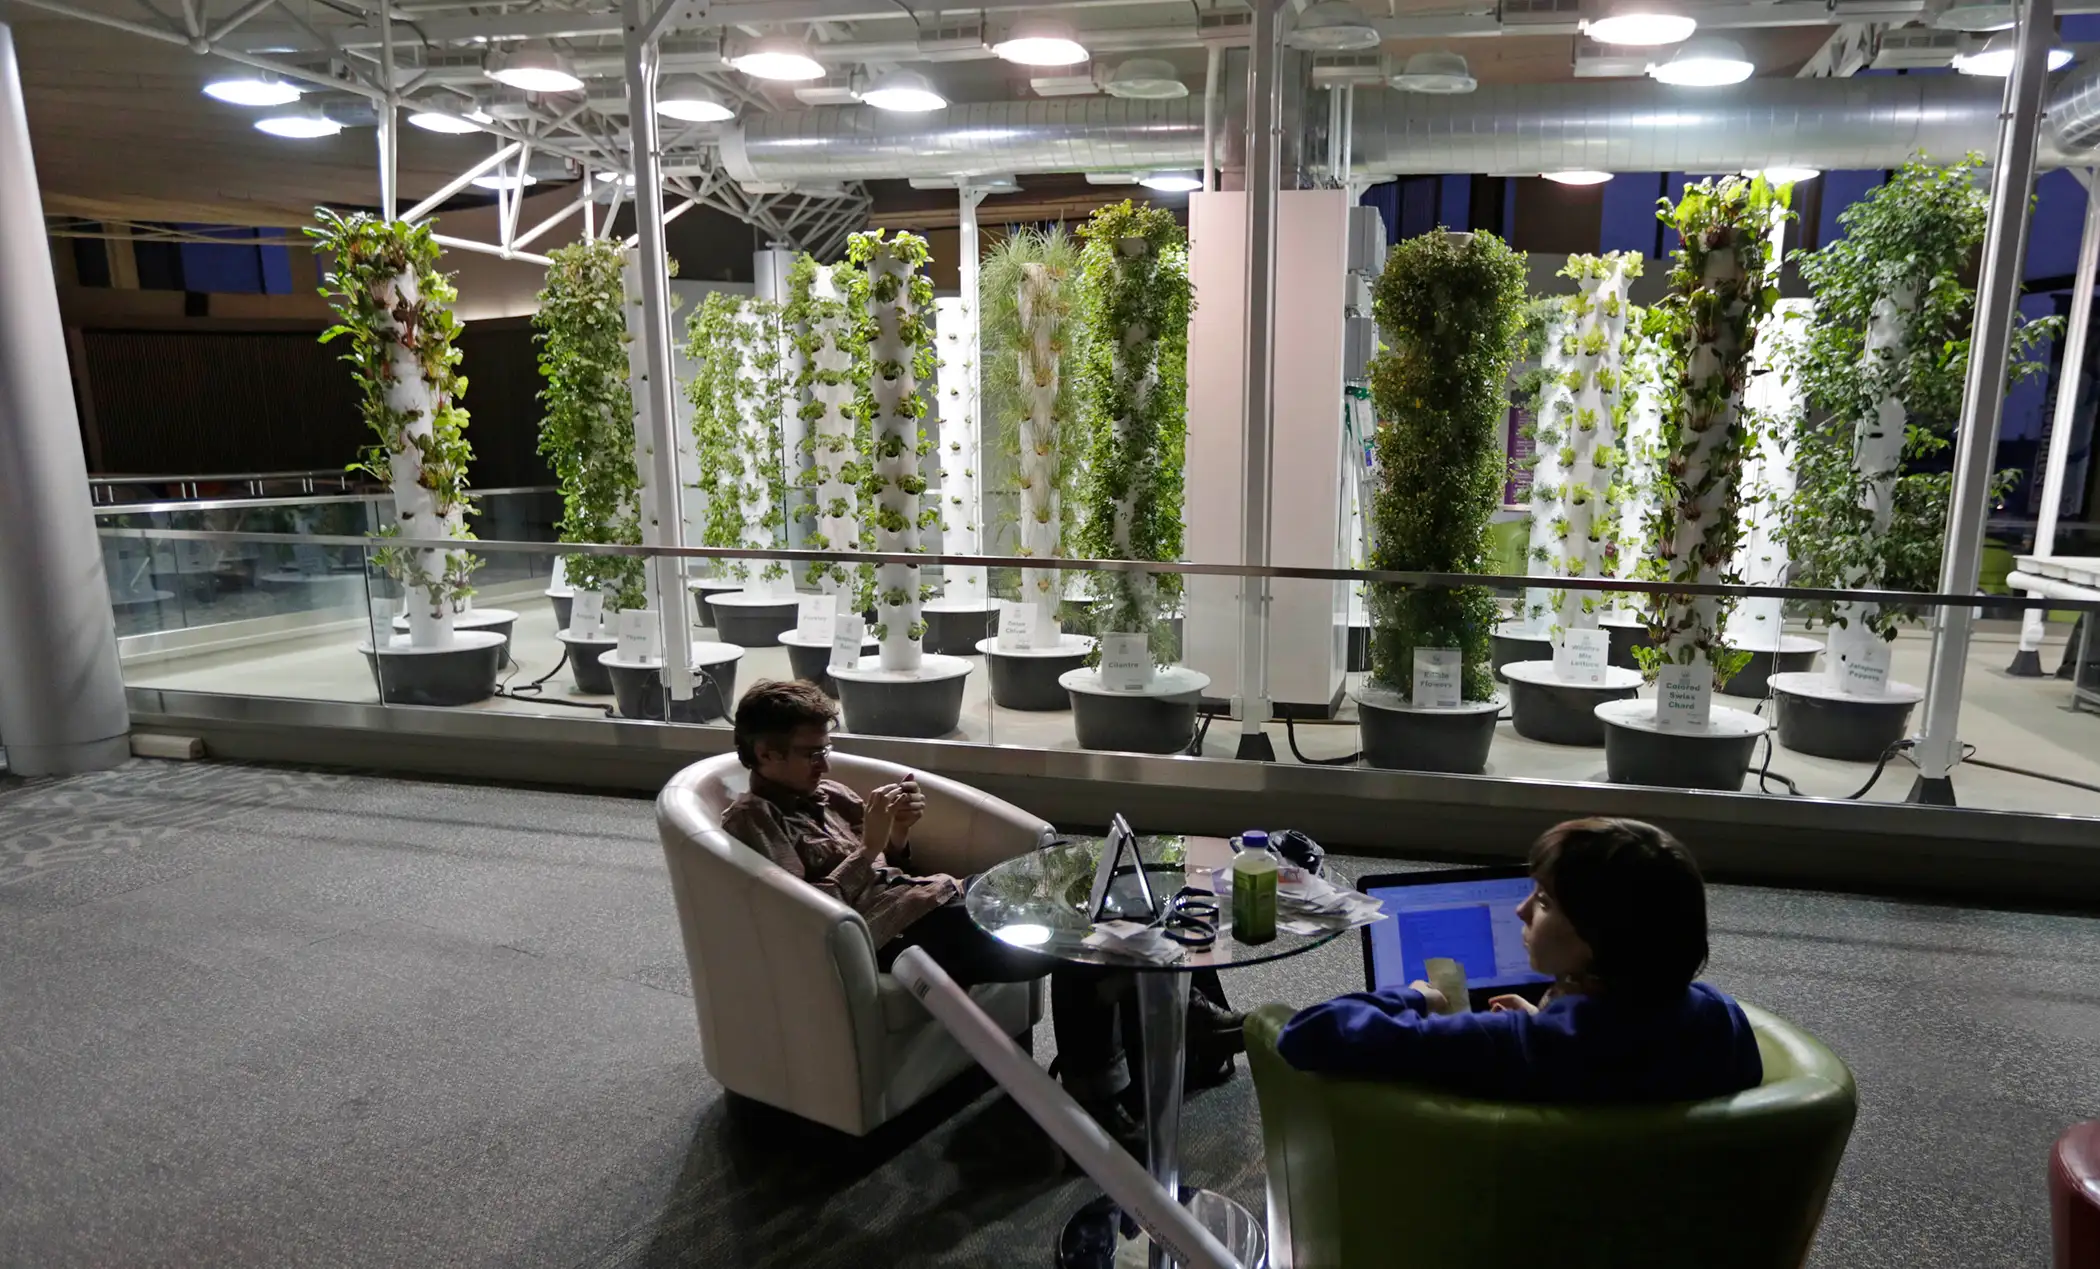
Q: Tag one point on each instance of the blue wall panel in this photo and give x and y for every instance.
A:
(1629, 212)
(1454, 202)
(234, 269)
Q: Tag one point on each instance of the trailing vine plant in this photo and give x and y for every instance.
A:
(1723, 284)
(1135, 305)
(894, 299)
(828, 380)
(395, 308)
(1882, 370)
(587, 431)
(1030, 338)
(1450, 307)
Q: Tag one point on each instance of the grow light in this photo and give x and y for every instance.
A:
(1580, 176)
(1641, 24)
(907, 92)
(252, 90)
(1707, 62)
(781, 58)
(1041, 43)
(1995, 59)
(1171, 182)
(302, 125)
(533, 68)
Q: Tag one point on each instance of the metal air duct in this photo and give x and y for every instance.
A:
(1613, 126)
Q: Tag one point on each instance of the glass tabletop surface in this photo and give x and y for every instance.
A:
(1038, 901)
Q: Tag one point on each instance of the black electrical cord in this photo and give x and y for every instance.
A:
(1880, 765)
(1290, 732)
(2033, 775)
(535, 687)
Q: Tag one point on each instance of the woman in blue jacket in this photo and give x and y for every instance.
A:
(1617, 916)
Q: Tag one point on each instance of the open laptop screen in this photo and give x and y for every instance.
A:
(1467, 914)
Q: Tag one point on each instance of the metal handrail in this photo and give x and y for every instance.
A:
(317, 500)
(1436, 581)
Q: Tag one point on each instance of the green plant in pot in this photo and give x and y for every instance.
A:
(1450, 308)
(395, 309)
(738, 392)
(822, 325)
(1135, 305)
(1882, 370)
(1033, 350)
(587, 430)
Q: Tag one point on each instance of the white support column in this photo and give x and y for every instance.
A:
(62, 707)
(1983, 399)
(640, 22)
(2063, 422)
(1264, 174)
(389, 117)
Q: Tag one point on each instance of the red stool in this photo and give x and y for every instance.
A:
(2074, 1196)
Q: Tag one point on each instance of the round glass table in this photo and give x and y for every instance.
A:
(1039, 901)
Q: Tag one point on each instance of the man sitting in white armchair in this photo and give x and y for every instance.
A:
(860, 853)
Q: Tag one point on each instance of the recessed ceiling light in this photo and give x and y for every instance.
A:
(1332, 26)
(299, 125)
(686, 99)
(1786, 175)
(252, 90)
(1041, 42)
(779, 57)
(449, 124)
(905, 91)
(1707, 62)
(1171, 182)
(533, 68)
(508, 180)
(1577, 177)
(1640, 22)
(1436, 72)
(1995, 59)
(1146, 79)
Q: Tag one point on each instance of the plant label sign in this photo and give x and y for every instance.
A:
(637, 634)
(1437, 675)
(1126, 662)
(846, 635)
(1866, 668)
(586, 613)
(1684, 697)
(1017, 625)
(382, 622)
(1581, 656)
(816, 618)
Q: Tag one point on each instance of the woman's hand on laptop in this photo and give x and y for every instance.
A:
(1511, 1004)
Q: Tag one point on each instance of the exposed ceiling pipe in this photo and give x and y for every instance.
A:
(1622, 126)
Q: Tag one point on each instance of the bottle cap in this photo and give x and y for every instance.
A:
(1254, 839)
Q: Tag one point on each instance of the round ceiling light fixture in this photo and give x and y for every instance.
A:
(1171, 182)
(507, 180)
(1995, 59)
(1707, 62)
(1975, 17)
(1146, 79)
(255, 89)
(299, 125)
(1041, 42)
(532, 68)
(907, 92)
(1332, 26)
(779, 57)
(686, 99)
(1641, 22)
(451, 124)
(1440, 73)
(1785, 175)
(1578, 176)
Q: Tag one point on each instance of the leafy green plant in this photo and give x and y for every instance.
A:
(822, 325)
(1882, 370)
(1033, 350)
(395, 309)
(1135, 305)
(1596, 486)
(1450, 307)
(1723, 284)
(893, 300)
(738, 393)
(587, 431)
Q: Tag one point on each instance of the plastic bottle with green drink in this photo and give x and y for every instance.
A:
(1254, 870)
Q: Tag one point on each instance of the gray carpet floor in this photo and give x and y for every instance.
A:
(277, 1017)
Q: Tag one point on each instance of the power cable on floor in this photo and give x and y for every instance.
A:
(531, 691)
(2032, 775)
(1290, 733)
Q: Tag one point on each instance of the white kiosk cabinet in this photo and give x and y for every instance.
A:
(1308, 627)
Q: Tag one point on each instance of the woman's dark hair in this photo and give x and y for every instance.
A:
(1635, 896)
(772, 710)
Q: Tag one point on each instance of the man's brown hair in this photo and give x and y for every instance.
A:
(1635, 896)
(771, 710)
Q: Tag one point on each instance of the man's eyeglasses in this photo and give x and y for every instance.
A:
(814, 753)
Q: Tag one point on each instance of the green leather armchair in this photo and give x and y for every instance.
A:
(1366, 1175)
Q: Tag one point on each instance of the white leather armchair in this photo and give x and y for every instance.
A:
(792, 1010)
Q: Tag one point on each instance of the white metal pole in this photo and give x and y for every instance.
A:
(1264, 174)
(640, 26)
(1211, 92)
(1159, 1213)
(62, 706)
(2071, 369)
(460, 182)
(389, 139)
(1983, 399)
